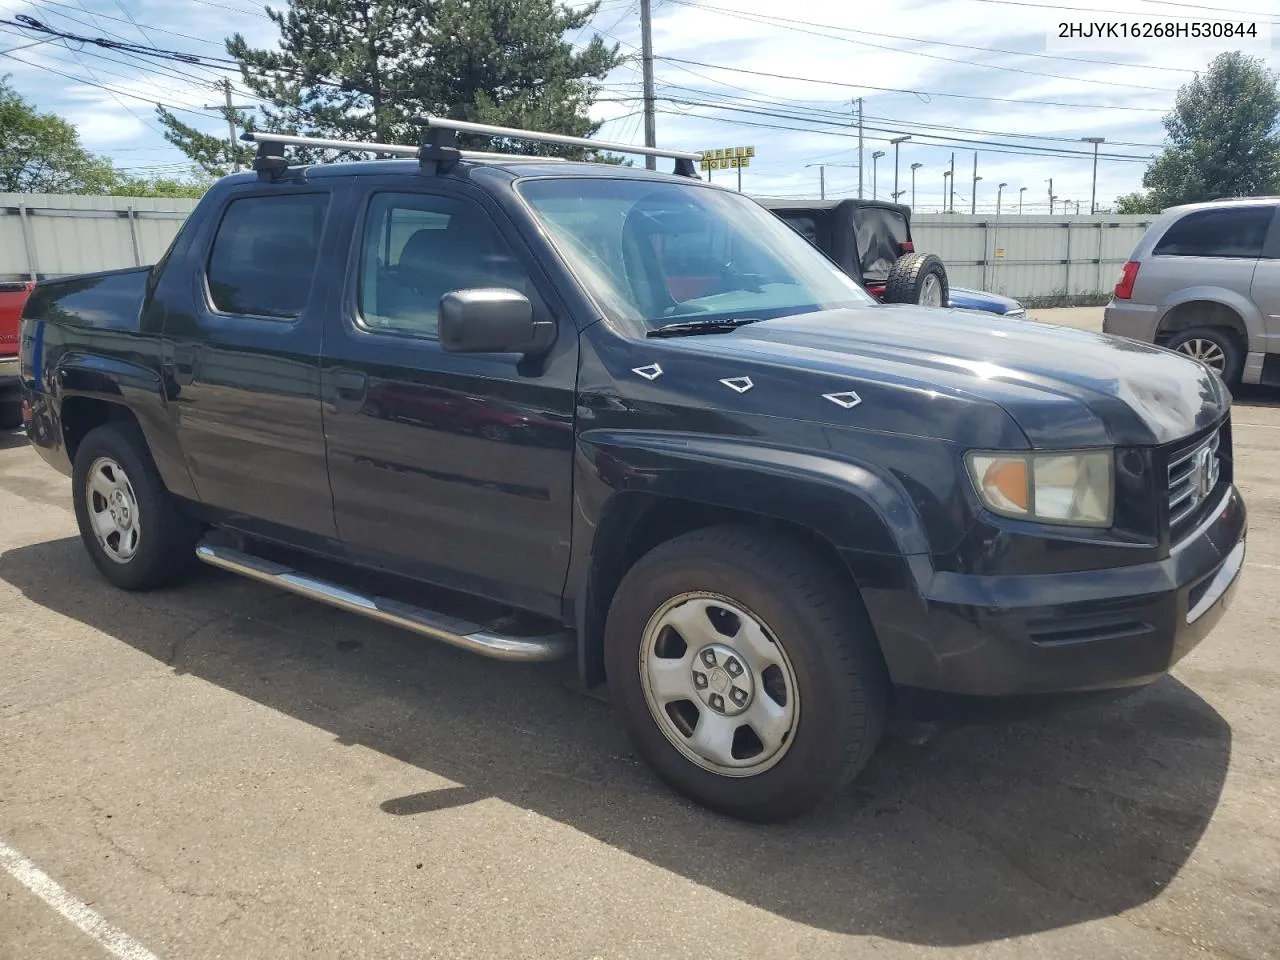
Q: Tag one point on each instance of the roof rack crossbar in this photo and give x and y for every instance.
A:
(439, 146)
(514, 133)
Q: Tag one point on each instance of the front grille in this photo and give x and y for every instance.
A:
(1194, 475)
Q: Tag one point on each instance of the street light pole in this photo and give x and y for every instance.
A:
(1021, 191)
(1093, 194)
(895, 141)
(822, 178)
(875, 156)
(914, 168)
(973, 201)
(946, 184)
(1051, 196)
(999, 190)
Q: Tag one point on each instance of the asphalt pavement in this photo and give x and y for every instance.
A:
(221, 770)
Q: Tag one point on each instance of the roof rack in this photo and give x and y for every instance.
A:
(439, 151)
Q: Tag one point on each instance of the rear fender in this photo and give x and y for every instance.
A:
(135, 387)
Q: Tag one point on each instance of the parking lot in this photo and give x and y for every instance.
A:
(225, 770)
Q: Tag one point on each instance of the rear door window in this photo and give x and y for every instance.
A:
(263, 259)
(1223, 232)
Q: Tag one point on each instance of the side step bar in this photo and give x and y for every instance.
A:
(461, 633)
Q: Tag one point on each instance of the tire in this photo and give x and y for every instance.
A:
(157, 545)
(1220, 344)
(825, 652)
(915, 277)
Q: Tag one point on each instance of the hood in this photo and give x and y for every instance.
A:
(966, 299)
(1063, 387)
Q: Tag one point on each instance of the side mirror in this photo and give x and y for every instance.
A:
(490, 320)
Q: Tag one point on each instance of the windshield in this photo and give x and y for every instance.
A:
(662, 253)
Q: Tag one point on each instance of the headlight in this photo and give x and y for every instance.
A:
(1071, 488)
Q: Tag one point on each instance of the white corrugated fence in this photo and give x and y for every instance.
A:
(1031, 258)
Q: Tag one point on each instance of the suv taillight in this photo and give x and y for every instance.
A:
(907, 246)
(1124, 289)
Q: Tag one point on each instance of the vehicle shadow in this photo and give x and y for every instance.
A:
(975, 835)
(10, 438)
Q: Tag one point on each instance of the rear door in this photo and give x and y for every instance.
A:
(452, 468)
(1265, 289)
(242, 334)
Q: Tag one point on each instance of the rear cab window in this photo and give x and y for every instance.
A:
(262, 262)
(880, 234)
(1222, 232)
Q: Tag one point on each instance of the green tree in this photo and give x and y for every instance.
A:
(160, 187)
(1224, 137)
(41, 152)
(364, 69)
(1136, 203)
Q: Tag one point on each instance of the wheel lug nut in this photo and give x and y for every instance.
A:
(699, 680)
(738, 695)
(717, 702)
(733, 667)
(709, 657)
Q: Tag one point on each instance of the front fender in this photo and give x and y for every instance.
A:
(862, 512)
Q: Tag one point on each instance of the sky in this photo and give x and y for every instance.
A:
(946, 73)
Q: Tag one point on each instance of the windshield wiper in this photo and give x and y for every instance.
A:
(690, 327)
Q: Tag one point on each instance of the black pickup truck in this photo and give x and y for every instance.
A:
(537, 408)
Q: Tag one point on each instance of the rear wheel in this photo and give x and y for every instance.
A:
(133, 530)
(918, 278)
(1218, 348)
(744, 672)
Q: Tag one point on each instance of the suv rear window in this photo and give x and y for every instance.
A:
(1223, 232)
(880, 234)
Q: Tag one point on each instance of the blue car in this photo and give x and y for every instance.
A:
(871, 241)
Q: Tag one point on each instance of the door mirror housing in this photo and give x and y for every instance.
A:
(491, 320)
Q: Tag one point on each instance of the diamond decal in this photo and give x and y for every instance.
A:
(738, 384)
(848, 399)
(651, 372)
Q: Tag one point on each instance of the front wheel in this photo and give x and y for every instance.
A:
(744, 672)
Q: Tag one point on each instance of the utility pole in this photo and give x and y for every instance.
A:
(914, 168)
(895, 141)
(1093, 194)
(1051, 196)
(1021, 191)
(875, 156)
(952, 175)
(973, 201)
(646, 56)
(229, 109)
(859, 103)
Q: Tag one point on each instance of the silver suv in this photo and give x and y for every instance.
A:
(1205, 280)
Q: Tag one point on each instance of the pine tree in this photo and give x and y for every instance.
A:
(364, 69)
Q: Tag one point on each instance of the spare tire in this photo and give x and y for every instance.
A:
(918, 278)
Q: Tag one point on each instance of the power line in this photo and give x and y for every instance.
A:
(939, 43)
(1058, 11)
(1027, 150)
(956, 96)
(789, 25)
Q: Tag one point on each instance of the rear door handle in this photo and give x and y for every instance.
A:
(347, 390)
(184, 363)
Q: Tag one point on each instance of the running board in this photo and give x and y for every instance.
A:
(460, 633)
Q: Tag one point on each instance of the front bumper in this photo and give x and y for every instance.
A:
(1067, 632)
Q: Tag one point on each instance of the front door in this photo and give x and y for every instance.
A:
(452, 468)
(242, 334)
